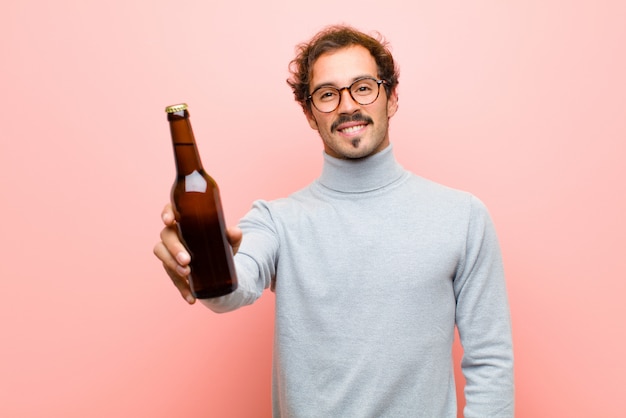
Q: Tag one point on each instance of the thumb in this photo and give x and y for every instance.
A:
(234, 236)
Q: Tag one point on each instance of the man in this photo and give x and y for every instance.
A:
(372, 266)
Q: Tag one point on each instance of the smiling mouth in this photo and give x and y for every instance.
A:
(352, 129)
(361, 122)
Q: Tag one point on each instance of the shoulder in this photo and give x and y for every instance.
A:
(438, 194)
(285, 206)
(446, 204)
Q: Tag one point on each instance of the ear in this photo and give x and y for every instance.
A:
(311, 119)
(392, 103)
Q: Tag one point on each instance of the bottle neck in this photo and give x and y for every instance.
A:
(184, 143)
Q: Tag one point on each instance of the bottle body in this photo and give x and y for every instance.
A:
(199, 215)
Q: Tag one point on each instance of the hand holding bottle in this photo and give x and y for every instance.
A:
(175, 258)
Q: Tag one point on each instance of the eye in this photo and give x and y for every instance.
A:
(326, 94)
(363, 88)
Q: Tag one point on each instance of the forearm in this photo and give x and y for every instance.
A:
(255, 261)
(250, 287)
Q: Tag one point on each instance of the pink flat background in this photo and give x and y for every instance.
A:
(522, 103)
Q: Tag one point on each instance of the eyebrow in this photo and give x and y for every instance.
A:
(329, 84)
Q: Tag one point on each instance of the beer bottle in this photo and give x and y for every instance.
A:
(199, 216)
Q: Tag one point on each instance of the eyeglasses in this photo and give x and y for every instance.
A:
(364, 91)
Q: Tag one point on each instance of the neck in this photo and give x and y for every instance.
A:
(360, 175)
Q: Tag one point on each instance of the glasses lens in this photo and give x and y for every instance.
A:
(363, 91)
(326, 99)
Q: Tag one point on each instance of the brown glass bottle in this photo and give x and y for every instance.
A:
(198, 210)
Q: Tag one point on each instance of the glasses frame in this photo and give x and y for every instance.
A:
(349, 88)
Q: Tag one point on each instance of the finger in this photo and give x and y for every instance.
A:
(177, 273)
(182, 284)
(169, 261)
(171, 241)
(167, 215)
(234, 236)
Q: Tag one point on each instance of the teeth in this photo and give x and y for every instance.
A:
(352, 129)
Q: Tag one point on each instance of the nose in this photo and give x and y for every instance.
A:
(346, 103)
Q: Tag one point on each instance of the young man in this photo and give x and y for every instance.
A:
(372, 266)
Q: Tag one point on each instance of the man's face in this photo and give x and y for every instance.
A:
(352, 130)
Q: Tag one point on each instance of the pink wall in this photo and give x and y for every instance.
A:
(523, 103)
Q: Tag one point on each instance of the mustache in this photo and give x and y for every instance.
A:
(357, 117)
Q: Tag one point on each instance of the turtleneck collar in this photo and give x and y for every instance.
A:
(360, 175)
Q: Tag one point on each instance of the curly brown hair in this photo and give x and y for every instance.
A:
(330, 39)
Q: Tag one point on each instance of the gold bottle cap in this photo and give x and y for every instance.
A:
(176, 108)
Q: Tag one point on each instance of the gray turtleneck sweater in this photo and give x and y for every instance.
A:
(372, 267)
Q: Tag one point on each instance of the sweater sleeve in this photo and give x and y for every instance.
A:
(255, 262)
(483, 321)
